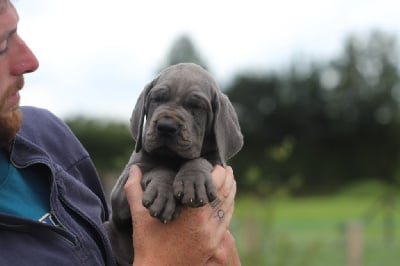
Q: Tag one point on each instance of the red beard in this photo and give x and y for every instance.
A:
(10, 123)
(9, 127)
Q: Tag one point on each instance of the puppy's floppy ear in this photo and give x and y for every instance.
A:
(228, 137)
(139, 113)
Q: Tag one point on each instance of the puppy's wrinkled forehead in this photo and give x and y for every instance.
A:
(187, 77)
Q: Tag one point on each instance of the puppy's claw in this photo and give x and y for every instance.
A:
(146, 203)
(212, 196)
(145, 184)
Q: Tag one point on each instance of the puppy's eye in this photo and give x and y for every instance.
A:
(159, 96)
(196, 103)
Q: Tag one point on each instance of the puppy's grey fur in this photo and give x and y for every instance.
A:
(190, 126)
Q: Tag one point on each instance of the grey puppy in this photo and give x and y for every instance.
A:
(190, 127)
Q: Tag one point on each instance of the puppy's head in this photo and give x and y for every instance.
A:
(186, 116)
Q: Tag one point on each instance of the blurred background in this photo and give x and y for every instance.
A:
(316, 85)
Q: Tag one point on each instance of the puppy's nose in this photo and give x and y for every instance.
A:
(167, 126)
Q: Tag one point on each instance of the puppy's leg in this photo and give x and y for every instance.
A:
(158, 194)
(193, 183)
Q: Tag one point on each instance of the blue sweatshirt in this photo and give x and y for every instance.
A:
(46, 146)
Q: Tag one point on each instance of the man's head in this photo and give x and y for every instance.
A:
(16, 59)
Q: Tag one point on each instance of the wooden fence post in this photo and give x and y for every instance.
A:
(354, 244)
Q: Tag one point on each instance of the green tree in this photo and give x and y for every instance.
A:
(316, 131)
(109, 143)
(183, 51)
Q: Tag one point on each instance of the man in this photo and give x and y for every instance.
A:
(52, 205)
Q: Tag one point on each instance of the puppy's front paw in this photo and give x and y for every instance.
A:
(194, 188)
(159, 199)
(158, 196)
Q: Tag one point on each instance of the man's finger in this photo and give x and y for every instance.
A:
(229, 181)
(218, 175)
(133, 190)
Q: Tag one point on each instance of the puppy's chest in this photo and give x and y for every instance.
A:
(150, 161)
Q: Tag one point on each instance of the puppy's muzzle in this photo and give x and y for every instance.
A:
(168, 127)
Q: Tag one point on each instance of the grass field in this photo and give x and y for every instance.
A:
(312, 231)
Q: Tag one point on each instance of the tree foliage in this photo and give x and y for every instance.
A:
(183, 51)
(312, 128)
(109, 143)
(317, 131)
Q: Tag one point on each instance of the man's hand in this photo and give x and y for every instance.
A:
(199, 236)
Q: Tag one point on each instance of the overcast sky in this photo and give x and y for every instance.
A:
(96, 55)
